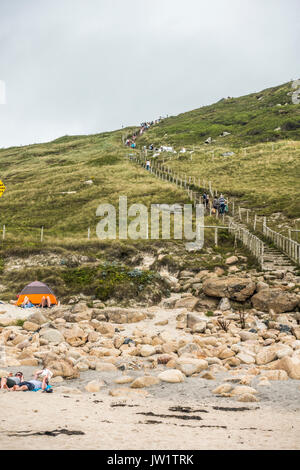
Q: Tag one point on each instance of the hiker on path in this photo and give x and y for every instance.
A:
(216, 203)
(148, 165)
(222, 203)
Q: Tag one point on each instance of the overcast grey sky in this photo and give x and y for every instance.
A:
(86, 66)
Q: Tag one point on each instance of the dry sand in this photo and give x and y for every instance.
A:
(118, 423)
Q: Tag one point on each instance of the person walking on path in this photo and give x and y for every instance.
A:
(222, 203)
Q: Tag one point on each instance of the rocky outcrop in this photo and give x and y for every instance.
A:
(123, 315)
(276, 299)
(235, 288)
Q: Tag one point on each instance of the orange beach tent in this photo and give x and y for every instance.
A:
(35, 291)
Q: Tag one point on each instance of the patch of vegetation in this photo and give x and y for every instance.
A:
(110, 281)
(209, 313)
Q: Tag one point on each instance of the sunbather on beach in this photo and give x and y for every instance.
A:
(45, 302)
(31, 385)
(27, 303)
(11, 380)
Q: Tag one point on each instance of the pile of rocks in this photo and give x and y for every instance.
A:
(176, 340)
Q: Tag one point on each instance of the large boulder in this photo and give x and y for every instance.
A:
(94, 386)
(171, 376)
(63, 368)
(235, 288)
(196, 323)
(190, 366)
(30, 326)
(146, 381)
(265, 356)
(187, 302)
(147, 350)
(52, 335)
(38, 317)
(291, 365)
(75, 336)
(275, 375)
(276, 299)
(123, 315)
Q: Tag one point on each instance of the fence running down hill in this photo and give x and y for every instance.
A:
(196, 187)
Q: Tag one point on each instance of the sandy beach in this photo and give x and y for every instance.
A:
(173, 416)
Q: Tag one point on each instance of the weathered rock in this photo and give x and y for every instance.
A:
(275, 375)
(106, 329)
(242, 389)
(51, 335)
(147, 350)
(248, 336)
(30, 326)
(123, 315)
(38, 318)
(171, 376)
(208, 376)
(125, 379)
(265, 356)
(235, 288)
(94, 386)
(224, 305)
(291, 365)
(128, 393)
(146, 381)
(226, 353)
(190, 366)
(30, 361)
(62, 367)
(247, 398)
(276, 299)
(190, 348)
(187, 302)
(296, 332)
(105, 367)
(231, 260)
(245, 358)
(223, 388)
(75, 336)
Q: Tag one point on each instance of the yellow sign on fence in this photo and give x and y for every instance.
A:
(2, 188)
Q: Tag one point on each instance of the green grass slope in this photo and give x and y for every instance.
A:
(46, 184)
(249, 119)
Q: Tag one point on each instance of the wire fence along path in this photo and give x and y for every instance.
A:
(236, 216)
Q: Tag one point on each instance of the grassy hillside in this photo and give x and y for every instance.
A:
(46, 184)
(266, 116)
(262, 176)
(263, 133)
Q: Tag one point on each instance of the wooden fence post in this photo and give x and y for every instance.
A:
(42, 234)
(216, 236)
(3, 233)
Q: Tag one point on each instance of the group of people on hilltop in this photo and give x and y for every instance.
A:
(219, 205)
(144, 126)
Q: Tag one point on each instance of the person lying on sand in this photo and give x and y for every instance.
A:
(26, 303)
(32, 386)
(45, 373)
(11, 380)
